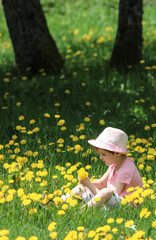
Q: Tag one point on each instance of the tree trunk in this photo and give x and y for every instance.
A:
(127, 49)
(33, 45)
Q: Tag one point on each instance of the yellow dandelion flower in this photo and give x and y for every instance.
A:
(88, 103)
(147, 128)
(144, 213)
(110, 220)
(18, 104)
(53, 235)
(138, 235)
(100, 40)
(102, 122)
(4, 232)
(33, 238)
(154, 224)
(129, 223)
(36, 129)
(32, 121)
(76, 31)
(75, 138)
(91, 234)
(20, 238)
(1, 157)
(24, 78)
(141, 166)
(60, 140)
(61, 212)
(88, 167)
(21, 118)
(20, 192)
(82, 175)
(119, 220)
(23, 141)
(76, 196)
(86, 119)
(82, 137)
(109, 236)
(32, 210)
(142, 61)
(1, 146)
(26, 202)
(80, 228)
(71, 235)
(72, 202)
(44, 183)
(61, 122)
(148, 168)
(1, 183)
(78, 147)
(51, 226)
(47, 115)
(67, 91)
(54, 176)
(57, 116)
(68, 164)
(96, 199)
(6, 80)
(114, 230)
(11, 181)
(65, 206)
(58, 150)
(131, 189)
(4, 238)
(51, 90)
(57, 105)
(150, 181)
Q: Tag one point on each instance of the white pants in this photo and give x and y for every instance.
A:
(114, 202)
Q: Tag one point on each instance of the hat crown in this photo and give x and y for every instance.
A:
(114, 136)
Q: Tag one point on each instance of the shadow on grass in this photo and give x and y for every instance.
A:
(90, 79)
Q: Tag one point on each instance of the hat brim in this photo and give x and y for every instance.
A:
(107, 146)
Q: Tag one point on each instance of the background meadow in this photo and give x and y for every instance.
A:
(45, 122)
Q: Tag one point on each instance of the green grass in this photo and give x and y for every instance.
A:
(125, 101)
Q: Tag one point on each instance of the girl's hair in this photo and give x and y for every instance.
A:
(96, 149)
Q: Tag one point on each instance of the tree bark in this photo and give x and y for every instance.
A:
(127, 49)
(33, 45)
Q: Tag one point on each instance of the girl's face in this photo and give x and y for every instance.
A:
(107, 157)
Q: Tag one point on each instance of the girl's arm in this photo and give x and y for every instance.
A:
(96, 185)
(102, 182)
(87, 183)
(118, 187)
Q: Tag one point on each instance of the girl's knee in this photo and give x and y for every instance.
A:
(105, 194)
(79, 190)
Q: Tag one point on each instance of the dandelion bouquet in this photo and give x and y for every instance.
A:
(82, 174)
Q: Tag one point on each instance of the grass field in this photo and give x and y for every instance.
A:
(45, 123)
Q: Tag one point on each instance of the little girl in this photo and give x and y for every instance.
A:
(122, 173)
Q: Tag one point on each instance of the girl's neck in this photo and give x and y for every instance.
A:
(119, 162)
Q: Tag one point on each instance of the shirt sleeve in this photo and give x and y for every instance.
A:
(124, 175)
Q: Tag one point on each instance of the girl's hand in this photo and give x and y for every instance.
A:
(82, 174)
(85, 182)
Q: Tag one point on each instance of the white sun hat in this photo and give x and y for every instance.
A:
(112, 139)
